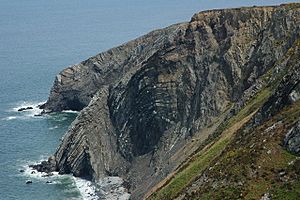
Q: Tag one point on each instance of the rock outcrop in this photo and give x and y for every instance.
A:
(75, 86)
(144, 101)
(292, 140)
(48, 166)
(263, 146)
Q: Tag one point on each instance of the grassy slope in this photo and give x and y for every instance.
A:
(255, 164)
(255, 160)
(203, 159)
(241, 161)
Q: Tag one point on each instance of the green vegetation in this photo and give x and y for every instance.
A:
(286, 192)
(203, 159)
(258, 166)
(183, 178)
(265, 168)
(292, 5)
(273, 77)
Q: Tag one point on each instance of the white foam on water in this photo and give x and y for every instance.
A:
(25, 104)
(9, 118)
(54, 127)
(86, 188)
(70, 111)
(30, 172)
(112, 188)
(25, 114)
(107, 188)
(31, 112)
(61, 119)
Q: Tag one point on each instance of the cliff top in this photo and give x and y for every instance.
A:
(203, 14)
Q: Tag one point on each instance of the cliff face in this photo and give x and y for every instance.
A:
(256, 156)
(75, 86)
(149, 104)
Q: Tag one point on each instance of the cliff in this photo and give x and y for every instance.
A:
(151, 104)
(255, 153)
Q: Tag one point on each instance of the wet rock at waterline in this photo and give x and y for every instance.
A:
(25, 108)
(46, 166)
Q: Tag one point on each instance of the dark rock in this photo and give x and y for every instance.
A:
(44, 163)
(282, 173)
(296, 166)
(46, 166)
(51, 160)
(33, 172)
(40, 106)
(48, 182)
(126, 184)
(292, 140)
(23, 109)
(28, 182)
(21, 170)
(48, 174)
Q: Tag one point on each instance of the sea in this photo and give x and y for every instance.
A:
(39, 38)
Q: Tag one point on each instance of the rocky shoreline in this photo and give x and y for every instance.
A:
(48, 166)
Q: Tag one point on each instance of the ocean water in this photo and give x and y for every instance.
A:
(38, 38)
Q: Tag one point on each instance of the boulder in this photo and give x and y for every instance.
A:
(46, 166)
(25, 108)
(292, 140)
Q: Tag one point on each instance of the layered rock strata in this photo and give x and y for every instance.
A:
(142, 102)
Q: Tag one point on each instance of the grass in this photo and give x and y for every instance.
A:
(286, 191)
(254, 167)
(272, 77)
(236, 162)
(203, 159)
(251, 106)
(292, 5)
(253, 188)
(183, 178)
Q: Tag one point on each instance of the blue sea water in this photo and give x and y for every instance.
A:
(38, 38)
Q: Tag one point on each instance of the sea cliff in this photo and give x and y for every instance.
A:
(150, 105)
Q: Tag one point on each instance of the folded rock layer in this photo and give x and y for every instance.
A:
(144, 103)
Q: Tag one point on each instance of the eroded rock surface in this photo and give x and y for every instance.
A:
(292, 140)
